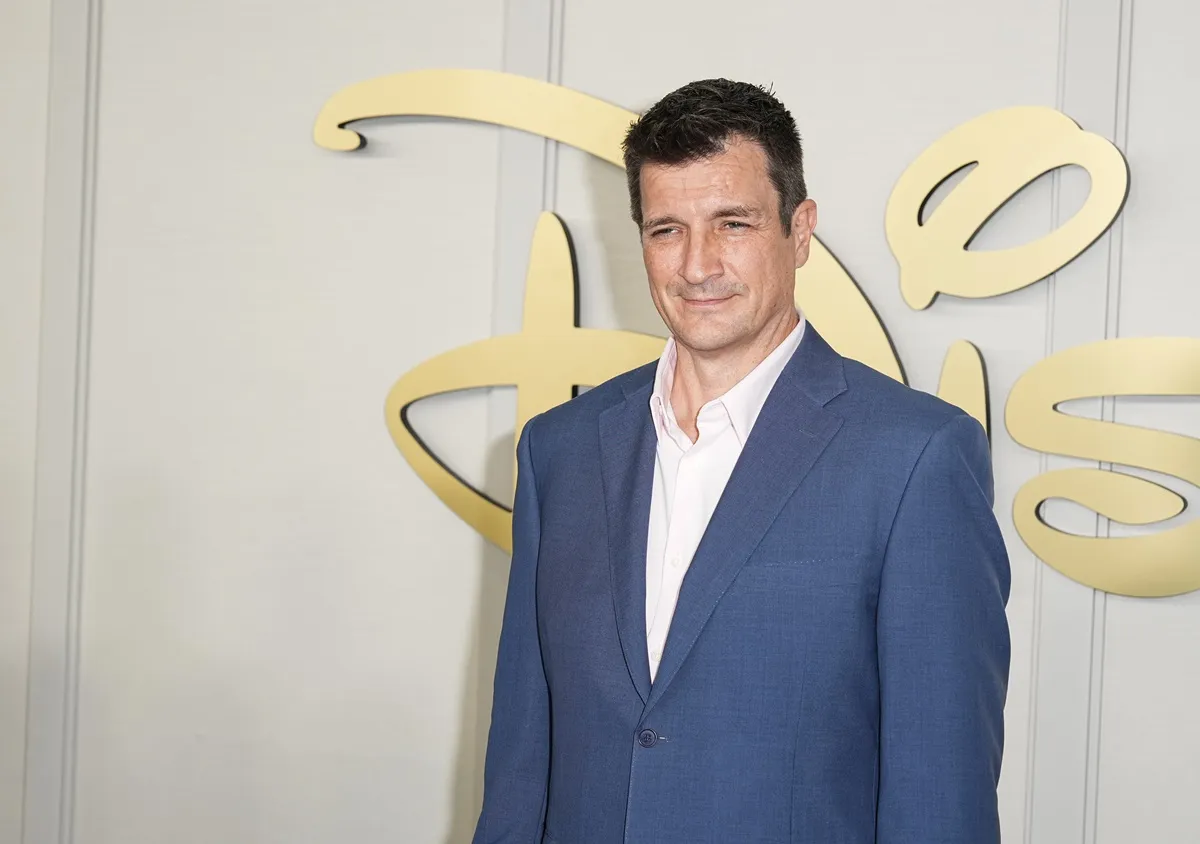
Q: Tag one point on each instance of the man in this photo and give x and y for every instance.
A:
(757, 590)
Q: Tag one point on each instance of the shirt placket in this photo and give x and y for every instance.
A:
(685, 525)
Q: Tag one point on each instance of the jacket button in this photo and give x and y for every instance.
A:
(647, 738)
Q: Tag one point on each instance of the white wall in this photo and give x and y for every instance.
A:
(275, 614)
(251, 621)
(24, 81)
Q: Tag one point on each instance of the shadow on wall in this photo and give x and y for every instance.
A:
(619, 272)
(480, 667)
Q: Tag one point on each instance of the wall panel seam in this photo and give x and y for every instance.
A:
(63, 385)
(1115, 267)
(526, 39)
(554, 67)
(82, 390)
(32, 525)
(1043, 459)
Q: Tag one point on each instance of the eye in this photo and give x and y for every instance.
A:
(660, 232)
(736, 224)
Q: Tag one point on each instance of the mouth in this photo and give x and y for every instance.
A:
(706, 303)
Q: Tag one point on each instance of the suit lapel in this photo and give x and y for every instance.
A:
(792, 430)
(627, 454)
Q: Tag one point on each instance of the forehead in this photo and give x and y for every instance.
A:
(737, 172)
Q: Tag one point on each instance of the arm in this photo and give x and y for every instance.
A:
(943, 649)
(517, 767)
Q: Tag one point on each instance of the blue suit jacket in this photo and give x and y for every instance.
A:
(836, 668)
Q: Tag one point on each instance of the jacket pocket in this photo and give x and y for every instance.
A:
(807, 572)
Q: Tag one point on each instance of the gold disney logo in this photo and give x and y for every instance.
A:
(1009, 148)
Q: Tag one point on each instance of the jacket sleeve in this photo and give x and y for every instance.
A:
(943, 646)
(517, 766)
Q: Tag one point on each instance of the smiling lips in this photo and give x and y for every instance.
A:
(702, 303)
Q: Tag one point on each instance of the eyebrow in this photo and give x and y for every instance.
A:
(659, 221)
(736, 211)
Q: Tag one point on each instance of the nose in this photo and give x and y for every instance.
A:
(702, 259)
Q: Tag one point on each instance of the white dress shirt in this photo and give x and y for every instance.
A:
(690, 477)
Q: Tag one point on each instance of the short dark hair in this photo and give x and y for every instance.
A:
(700, 119)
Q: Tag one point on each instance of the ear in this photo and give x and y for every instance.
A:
(804, 220)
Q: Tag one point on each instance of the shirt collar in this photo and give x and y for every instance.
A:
(660, 398)
(743, 402)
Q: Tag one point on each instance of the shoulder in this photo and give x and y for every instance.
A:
(908, 439)
(895, 407)
(579, 416)
(907, 422)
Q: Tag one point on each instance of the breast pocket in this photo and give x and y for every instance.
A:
(815, 572)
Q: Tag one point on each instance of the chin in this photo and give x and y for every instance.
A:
(707, 341)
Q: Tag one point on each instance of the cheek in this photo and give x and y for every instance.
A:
(660, 267)
(748, 263)
(765, 269)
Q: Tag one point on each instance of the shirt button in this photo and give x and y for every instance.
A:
(647, 738)
(677, 561)
(655, 655)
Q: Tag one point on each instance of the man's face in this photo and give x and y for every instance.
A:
(721, 268)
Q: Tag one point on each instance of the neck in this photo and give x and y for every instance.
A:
(703, 376)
